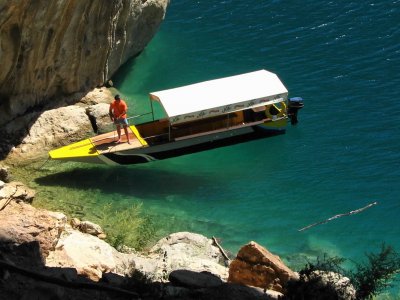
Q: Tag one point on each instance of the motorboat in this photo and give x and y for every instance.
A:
(196, 117)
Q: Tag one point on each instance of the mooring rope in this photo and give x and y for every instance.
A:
(48, 158)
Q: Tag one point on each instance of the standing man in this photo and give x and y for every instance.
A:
(117, 112)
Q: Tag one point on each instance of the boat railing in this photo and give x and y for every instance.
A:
(137, 116)
(133, 117)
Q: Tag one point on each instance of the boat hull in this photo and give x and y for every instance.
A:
(188, 146)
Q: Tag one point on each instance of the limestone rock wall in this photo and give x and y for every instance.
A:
(53, 50)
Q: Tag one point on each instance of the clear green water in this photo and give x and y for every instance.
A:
(342, 57)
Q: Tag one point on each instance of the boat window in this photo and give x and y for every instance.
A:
(254, 114)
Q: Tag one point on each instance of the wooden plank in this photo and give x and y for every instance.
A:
(105, 143)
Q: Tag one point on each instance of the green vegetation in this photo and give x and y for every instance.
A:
(310, 285)
(374, 276)
(369, 278)
(126, 227)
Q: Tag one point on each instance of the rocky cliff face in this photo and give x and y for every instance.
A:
(52, 50)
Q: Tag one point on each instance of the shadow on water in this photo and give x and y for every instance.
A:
(139, 182)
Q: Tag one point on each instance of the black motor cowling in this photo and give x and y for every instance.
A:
(294, 104)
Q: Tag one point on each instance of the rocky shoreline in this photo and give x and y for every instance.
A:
(39, 245)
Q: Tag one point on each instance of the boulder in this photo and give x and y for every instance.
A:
(331, 285)
(75, 223)
(99, 117)
(256, 266)
(4, 174)
(53, 128)
(21, 223)
(16, 191)
(96, 96)
(90, 228)
(194, 280)
(90, 256)
(189, 251)
(58, 127)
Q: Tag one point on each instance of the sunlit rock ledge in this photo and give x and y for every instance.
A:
(47, 130)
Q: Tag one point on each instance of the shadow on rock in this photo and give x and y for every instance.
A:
(23, 275)
(186, 284)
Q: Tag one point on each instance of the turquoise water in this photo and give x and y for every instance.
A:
(343, 58)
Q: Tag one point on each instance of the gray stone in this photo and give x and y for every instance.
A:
(17, 191)
(97, 96)
(53, 128)
(190, 279)
(75, 223)
(90, 228)
(185, 250)
(4, 174)
(89, 255)
(99, 116)
(331, 285)
(22, 223)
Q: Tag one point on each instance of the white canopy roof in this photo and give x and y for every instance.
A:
(220, 96)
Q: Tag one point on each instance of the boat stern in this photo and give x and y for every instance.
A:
(278, 114)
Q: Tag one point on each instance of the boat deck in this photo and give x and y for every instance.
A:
(106, 143)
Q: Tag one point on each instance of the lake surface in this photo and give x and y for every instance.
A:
(343, 58)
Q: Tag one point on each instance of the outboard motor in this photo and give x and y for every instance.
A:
(294, 104)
